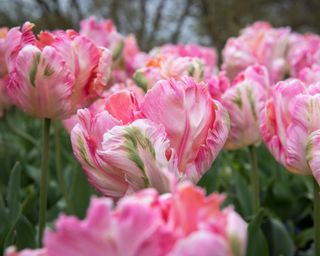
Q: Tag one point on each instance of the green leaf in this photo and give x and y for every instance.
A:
(13, 193)
(304, 237)
(279, 240)
(243, 194)
(257, 243)
(25, 234)
(80, 193)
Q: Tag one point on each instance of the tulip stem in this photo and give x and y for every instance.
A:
(316, 212)
(44, 179)
(60, 177)
(254, 179)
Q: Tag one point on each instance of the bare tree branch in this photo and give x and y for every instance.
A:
(176, 34)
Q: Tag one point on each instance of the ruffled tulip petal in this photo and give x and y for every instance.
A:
(86, 138)
(74, 237)
(312, 152)
(123, 106)
(11, 251)
(216, 139)
(201, 243)
(139, 150)
(244, 100)
(305, 114)
(188, 106)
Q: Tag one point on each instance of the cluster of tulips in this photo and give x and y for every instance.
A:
(145, 127)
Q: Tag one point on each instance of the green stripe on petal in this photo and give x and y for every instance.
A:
(134, 140)
(34, 68)
(48, 71)
(252, 102)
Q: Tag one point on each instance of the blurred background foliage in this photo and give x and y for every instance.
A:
(282, 227)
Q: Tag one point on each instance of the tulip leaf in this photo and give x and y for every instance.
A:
(275, 232)
(25, 234)
(13, 192)
(80, 193)
(257, 243)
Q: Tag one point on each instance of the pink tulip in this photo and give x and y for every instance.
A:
(100, 104)
(119, 153)
(54, 75)
(149, 224)
(310, 75)
(218, 85)
(132, 143)
(207, 55)
(303, 52)
(261, 44)
(11, 251)
(313, 154)
(103, 33)
(244, 100)
(288, 121)
(126, 54)
(5, 101)
(196, 125)
(3, 66)
(168, 67)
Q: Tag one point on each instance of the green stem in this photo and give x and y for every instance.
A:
(254, 179)
(316, 212)
(44, 179)
(60, 177)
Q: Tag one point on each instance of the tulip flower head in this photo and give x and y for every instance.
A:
(168, 67)
(126, 54)
(258, 43)
(207, 55)
(5, 101)
(304, 52)
(289, 125)
(133, 144)
(53, 74)
(244, 100)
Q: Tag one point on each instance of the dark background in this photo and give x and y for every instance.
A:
(209, 22)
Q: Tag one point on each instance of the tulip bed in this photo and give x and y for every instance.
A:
(109, 150)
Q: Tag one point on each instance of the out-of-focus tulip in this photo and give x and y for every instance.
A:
(258, 43)
(5, 101)
(52, 75)
(218, 85)
(207, 55)
(244, 100)
(168, 67)
(196, 125)
(3, 65)
(310, 75)
(304, 52)
(126, 54)
(287, 122)
(103, 33)
(183, 223)
(11, 251)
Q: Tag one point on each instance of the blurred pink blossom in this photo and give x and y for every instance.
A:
(185, 222)
(258, 43)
